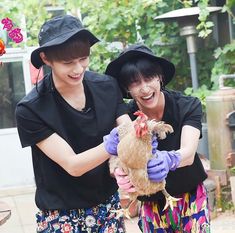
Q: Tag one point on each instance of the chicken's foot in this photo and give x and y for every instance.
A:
(125, 212)
(169, 199)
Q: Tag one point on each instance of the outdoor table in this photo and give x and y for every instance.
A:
(5, 212)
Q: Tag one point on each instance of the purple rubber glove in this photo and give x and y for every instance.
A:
(154, 144)
(111, 141)
(159, 167)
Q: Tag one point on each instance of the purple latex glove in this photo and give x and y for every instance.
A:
(159, 167)
(111, 141)
(154, 144)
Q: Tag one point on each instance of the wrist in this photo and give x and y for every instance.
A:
(110, 146)
(175, 157)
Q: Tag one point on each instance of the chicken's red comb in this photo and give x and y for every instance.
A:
(140, 113)
(141, 127)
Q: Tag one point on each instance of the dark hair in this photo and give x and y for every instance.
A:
(71, 49)
(139, 68)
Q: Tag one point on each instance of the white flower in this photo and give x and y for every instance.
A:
(90, 221)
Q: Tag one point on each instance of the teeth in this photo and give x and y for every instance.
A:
(147, 97)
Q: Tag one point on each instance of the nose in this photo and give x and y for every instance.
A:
(144, 88)
(78, 68)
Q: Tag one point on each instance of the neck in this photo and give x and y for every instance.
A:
(73, 95)
(156, 112)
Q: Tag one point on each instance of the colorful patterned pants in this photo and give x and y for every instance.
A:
(99, 219)
(189, 215)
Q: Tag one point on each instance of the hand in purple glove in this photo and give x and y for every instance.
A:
(159, 167)
(111, 141)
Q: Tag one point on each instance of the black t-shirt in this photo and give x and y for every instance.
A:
(40, 115)
(179, 110)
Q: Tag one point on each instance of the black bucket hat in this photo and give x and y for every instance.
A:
(56, 31)
(135, 51)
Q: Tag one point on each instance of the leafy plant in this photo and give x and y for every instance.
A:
(224, 64)
(133, 22)
(201, 93)
(205, 26)
(232, 171)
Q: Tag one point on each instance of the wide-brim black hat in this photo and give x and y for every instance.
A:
(136, 51)
(56, 31)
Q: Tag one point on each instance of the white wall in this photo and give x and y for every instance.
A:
(16, 167)
(15, 162)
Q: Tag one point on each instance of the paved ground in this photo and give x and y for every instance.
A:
(21, 202)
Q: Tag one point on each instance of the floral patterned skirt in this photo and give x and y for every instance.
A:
(189, 215)
(99, 219)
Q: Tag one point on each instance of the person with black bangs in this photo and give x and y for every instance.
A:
(64, 119)
(142, 77)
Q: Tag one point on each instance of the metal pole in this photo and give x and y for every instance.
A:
(189, 32)
(193, 65)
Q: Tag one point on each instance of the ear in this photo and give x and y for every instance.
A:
(44, 58)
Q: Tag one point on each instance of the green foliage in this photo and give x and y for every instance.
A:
(232, 171)
(131, 21)
(205, 26)
(224, 64)
(201, 93)
(34, 13)
(226, 202)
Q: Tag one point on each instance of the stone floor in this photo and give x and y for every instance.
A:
(21, 202)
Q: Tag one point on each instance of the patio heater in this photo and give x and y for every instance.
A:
(187, 18)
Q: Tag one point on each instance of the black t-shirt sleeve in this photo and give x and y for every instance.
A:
(31, 128)
(193, 113)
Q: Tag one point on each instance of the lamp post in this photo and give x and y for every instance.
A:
(187, 19)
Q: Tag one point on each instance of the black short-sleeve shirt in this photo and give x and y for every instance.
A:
(179, 110)
(43, 112)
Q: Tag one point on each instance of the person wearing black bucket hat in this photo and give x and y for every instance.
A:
(57, 31)
(137, 51)
(64, 119)
(143, 77)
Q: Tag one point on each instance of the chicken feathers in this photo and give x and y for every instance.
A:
(135, 150)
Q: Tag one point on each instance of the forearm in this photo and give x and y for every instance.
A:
(186, 157)
(58, 150)
(93, 157)
(83, 162)
(188, 146)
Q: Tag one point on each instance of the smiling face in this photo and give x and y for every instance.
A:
(68, 62)
(141, 78)
(69, 72)
(146, 91)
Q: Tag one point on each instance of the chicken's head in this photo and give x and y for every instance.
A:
(141, 127)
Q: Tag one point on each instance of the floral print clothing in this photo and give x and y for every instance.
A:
(99, 219)
(189, 215)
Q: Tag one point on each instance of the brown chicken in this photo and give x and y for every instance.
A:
(135, 150)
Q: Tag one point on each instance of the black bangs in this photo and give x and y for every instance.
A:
(71, 49)
(139, 68)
